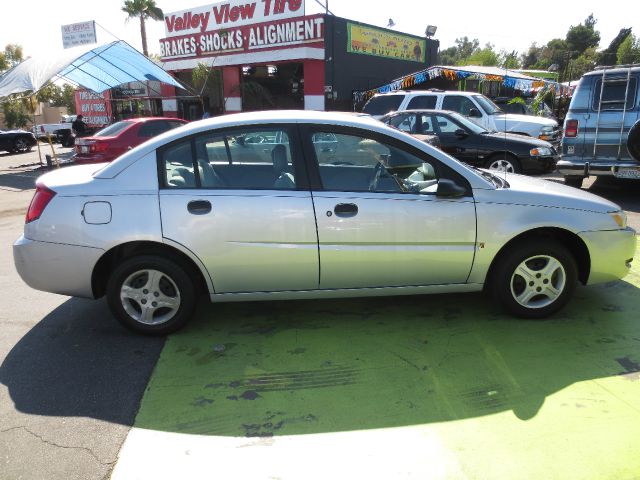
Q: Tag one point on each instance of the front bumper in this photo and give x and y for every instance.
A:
(611, 252)
(55, 267)
(544, 164)
(570, 169)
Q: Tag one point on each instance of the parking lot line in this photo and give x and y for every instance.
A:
(406, 387)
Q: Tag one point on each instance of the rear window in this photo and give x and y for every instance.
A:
(383, 104)
(153, 128)
(423, 102)
(113, 130)
(614, 94)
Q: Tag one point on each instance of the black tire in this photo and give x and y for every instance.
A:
(529, 260)
(633, 141)
(21, 145)
(164, 306)
(504, 160)
(573, 181)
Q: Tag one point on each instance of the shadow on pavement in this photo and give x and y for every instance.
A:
(79, 362)
(621, 191)
(286, 368)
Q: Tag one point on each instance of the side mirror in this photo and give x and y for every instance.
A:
(475, 113)
(461, 133)
(449, 189)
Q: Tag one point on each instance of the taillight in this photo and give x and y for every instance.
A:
(571, 128)
(98, 147)
(39, 202)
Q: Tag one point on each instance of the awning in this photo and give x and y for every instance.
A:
(96, 69)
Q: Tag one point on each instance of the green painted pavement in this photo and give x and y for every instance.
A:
(509, 398)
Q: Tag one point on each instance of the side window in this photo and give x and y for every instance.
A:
(240, 159)
(614, 94)
(406, 123)
(178, 165)
(426, 123)
(445, 125)
(153, 128)
(361, 164)
(423, 102)
(458, 103)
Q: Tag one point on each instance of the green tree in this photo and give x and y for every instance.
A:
(509, 60)
(609, 56)
(629, 51)
(142, 9)
(483, 56)
(582, 36)
(10, 57)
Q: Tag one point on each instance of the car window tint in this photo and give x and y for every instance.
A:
(245, 159)
(174, 124)
(427, 125)
(422, 102)
(361, 164)
(614, 94)
(113, 130)
(406, 123)
(445, 125)
(177, 160)
(383, 104)
(152, 128)
(457, 103)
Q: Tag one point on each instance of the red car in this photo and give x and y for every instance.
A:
(112, 141)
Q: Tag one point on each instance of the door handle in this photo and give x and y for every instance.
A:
(346, 210)
(199, 207)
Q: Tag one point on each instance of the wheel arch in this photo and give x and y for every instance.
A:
(111, 258)
(572, 242)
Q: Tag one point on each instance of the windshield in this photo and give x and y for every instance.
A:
(487, 105)
(113, 130)
(383, 104)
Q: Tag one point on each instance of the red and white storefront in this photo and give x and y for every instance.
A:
(235, 36)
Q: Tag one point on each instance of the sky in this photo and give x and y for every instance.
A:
(508, 26)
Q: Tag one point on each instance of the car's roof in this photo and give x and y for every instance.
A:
(146, 119)
(425, 92)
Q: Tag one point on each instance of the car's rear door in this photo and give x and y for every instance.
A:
(248, 219)
(372, 232)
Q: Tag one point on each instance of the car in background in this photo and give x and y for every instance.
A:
(525, 107)
(16, 141)
(301, 204)
(470, 143)
(475, 106)
(112, 141)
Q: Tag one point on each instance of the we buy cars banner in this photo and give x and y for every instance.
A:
(239, 27)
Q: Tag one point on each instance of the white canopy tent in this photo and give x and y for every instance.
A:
(94, 68)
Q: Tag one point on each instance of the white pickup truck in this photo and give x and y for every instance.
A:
(58, 131)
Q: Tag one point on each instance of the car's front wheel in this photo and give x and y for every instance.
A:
(534, 279)
(151, 295)
(504, 163)
(21, 145)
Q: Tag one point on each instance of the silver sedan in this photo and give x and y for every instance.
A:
(291, 205)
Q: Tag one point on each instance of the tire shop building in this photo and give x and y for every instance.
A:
(267, 54)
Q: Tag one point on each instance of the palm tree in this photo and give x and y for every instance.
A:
(143, 9)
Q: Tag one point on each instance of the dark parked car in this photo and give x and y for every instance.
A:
(112, 141)
(472, 144)
(16, 141)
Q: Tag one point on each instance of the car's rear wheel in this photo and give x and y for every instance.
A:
(20, 145)
(534, 279)
(504, 163)
(151, 295)
(573, 181)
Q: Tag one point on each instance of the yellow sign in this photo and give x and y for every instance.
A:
(381, 43)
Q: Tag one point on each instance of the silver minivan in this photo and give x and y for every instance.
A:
(597, 125)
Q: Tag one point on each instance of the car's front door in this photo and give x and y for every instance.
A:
(248, 217)
(380, 222)
(459, 145)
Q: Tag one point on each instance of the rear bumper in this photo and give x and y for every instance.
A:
(56, 268)
(611, 253)
(597, 168)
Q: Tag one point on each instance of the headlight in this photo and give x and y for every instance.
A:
(540, 152)
(546, 130)
(619, 217)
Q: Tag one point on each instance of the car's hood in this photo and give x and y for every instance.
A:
(528, 119)
(525, 140)
(535, 191)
